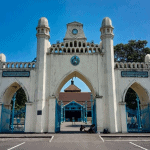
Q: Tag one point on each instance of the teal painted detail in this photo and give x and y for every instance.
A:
(94, 119)
(12, 121)
(62, 113)
(57, 116)
(73, 107)
(92, 107)
(75, 60)
(138, 120)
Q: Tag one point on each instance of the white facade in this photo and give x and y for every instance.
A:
(53, 69)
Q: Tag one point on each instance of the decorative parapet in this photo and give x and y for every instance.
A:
(133, 65)
(17, 65)
(75, 47)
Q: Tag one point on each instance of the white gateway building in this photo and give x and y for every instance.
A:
(93, 63)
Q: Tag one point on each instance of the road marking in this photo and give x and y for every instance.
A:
(138, 146)
(15, 146)
(101, 138)
(51, 139)
(127, 140)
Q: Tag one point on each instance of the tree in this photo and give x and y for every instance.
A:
(130, 99)
(20, 99)
(134, 51)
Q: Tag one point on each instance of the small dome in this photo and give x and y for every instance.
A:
(147, 58)
(106, 22)
(2, 57)
(43, 22)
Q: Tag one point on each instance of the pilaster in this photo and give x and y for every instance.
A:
(40, 92)
(51, 116)
(123, 117)
(99, 114)
(29, 121)
(110, 89)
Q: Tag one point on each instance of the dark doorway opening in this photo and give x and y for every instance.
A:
(75, 114)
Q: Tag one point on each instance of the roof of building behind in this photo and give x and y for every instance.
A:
(79, 97)
(72, 88)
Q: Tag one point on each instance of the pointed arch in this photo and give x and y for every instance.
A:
(139, 89)
(70, 75)
(8, 92)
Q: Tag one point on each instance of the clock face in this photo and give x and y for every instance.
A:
(74, 31)
(75, 60)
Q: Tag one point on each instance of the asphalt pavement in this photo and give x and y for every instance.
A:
(73, 139)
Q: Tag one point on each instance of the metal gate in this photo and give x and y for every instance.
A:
(138, 120)
(12, 120)
(94, 121)
(57, 117)
(93, 112)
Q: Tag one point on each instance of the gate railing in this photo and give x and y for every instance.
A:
(57, 116)
(93, 112)
(138, 120)
(12, 121)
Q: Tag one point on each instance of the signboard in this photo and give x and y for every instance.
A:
(16, 74)
(141, 74)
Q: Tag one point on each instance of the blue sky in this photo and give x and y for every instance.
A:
(130, 18)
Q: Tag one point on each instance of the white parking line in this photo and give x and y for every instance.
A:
(138, 146)
(127, 140)
(101, 138)
(15, 146)
(51, 139)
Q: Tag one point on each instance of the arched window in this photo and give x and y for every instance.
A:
(75, 43)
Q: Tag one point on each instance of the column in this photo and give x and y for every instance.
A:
(123, 117)
(99, 114)
(51, 119)
(29, 117)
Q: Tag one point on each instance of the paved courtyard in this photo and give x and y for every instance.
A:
(73, 127)
(75, 142)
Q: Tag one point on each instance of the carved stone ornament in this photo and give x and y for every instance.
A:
(75, 60)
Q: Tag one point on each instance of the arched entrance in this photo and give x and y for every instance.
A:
(137, 109)
(13, 109)
(74, 106)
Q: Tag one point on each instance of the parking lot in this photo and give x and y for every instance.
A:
(76, 142)
(70, 138)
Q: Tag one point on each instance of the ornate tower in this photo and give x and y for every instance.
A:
(75, 32)
(110, 95)
(42, 47)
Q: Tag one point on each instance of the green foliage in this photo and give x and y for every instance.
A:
(130, 99)
(134, 51)
(20, 99)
